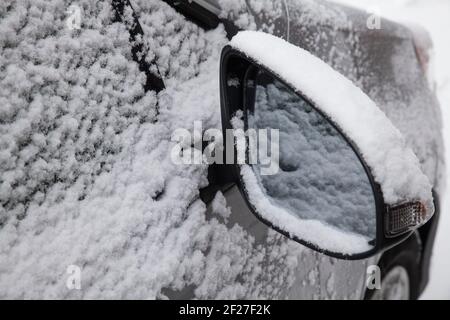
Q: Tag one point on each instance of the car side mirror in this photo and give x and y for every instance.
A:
(314, 157)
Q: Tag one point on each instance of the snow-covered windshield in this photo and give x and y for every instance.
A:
(320, 175)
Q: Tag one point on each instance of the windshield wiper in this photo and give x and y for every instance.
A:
(138, 50)
(201, 16)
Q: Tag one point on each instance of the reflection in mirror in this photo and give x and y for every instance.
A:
(320, 177)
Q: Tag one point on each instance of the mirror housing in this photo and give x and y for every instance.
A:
(398, 214)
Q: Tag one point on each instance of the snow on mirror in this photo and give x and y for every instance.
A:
(321, 185)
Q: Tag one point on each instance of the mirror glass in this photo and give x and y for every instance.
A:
(320, 177)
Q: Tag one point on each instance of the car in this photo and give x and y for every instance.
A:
(95, 183)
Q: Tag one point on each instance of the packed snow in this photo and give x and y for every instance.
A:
(321, 193)
(320, 175)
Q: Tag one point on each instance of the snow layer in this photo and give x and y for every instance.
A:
(397, 168)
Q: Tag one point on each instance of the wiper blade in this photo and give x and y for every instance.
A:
(201, 16)
(138, 50)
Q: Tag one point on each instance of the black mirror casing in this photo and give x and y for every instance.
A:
(235, 64)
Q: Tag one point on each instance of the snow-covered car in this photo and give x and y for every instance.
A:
(92, 93)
